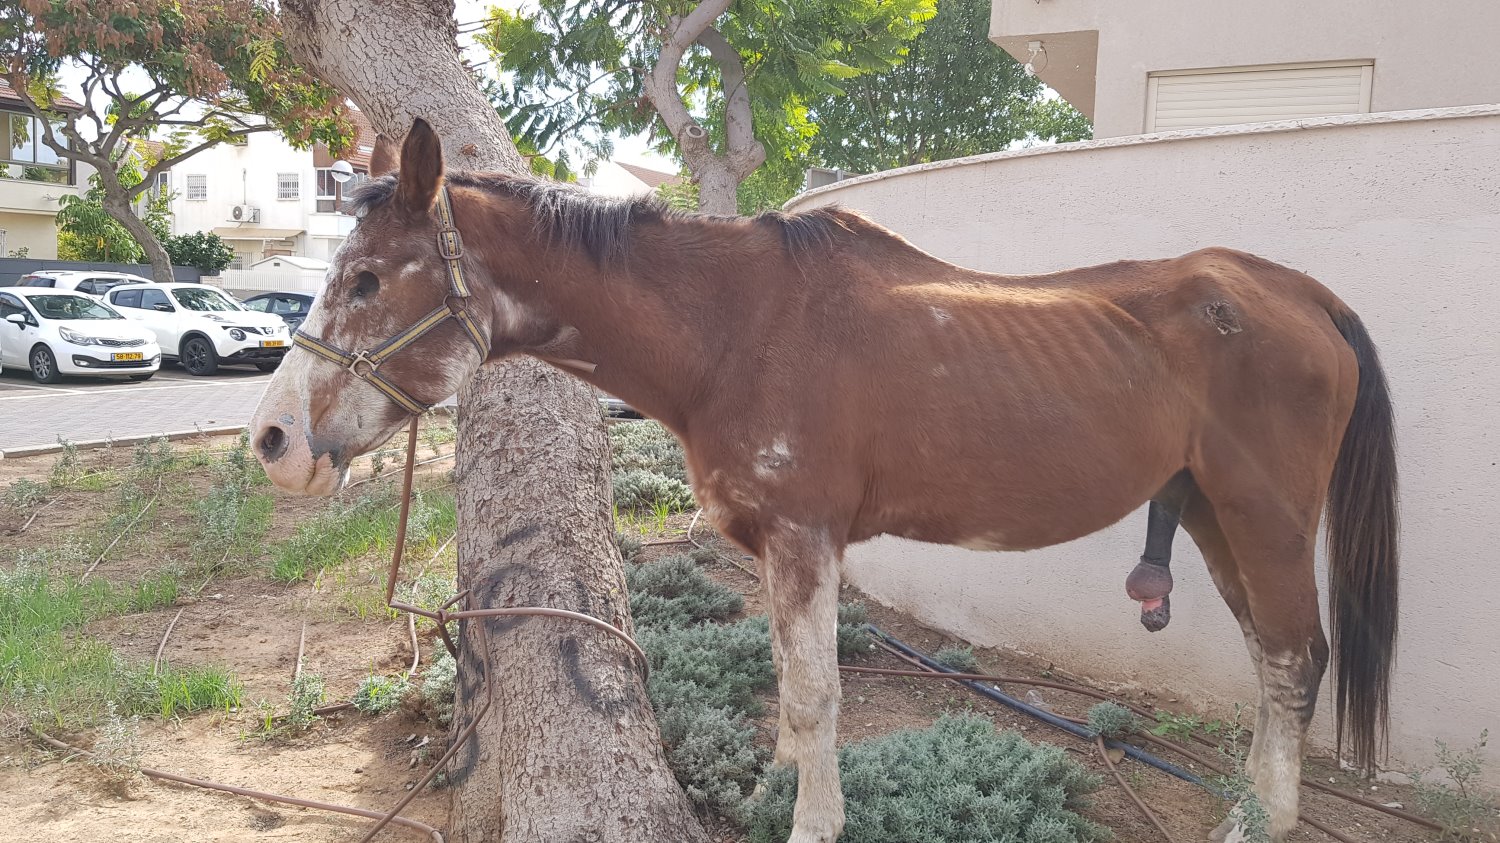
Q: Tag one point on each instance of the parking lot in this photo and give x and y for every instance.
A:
(85, 409)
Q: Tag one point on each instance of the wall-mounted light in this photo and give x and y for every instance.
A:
(1036, 50)
(341, 170)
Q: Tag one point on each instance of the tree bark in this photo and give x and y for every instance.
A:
(570, 749)
(718, 174)
(116, 203)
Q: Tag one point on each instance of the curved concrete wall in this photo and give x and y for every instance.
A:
(1399, 213)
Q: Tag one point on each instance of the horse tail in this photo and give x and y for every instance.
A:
(1362, 555)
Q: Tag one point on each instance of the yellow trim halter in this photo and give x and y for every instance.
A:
(450, 247)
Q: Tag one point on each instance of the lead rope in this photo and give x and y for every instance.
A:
(442, 616)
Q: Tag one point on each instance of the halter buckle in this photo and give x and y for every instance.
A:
(450, 244)
(359, 357)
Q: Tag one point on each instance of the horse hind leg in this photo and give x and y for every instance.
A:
(1272, 542)
(1200, 521)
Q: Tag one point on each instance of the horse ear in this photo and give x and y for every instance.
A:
(383, 157)
(421, 168)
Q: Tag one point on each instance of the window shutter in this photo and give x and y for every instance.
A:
(1225, 96)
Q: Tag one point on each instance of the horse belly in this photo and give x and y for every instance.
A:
(1051, 469)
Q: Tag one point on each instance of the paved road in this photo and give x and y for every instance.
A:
(82, 409)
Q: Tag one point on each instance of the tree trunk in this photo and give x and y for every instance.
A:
(718, 189)
(118, 207)
(570, 749)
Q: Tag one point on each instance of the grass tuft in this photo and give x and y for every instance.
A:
(349, 530)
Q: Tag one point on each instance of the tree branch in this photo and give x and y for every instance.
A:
(744, 152)
(661, 83)
(166, 164)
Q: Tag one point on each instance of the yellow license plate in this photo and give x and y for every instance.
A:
(126, 356)
(273, 343)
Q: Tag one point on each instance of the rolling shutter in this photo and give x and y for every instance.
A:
(1190, 99)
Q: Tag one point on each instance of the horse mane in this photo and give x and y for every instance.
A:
(602, 225)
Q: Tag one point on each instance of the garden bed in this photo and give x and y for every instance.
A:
(189, 535)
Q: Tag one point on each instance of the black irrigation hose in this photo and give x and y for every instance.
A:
(1044, 716)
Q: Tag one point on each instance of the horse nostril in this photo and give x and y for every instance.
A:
(272, 443)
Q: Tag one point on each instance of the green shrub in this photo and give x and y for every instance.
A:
(649, 471)
(710, 665)
(638, 489)
(438, 688)
(674, 591)
(712, 753)
(630, 546)
(25, 494)
(648, 446)
(1459, 804)
(308, 692)
(853, 640)
(960, 659)
(958, 780)
(1113, 720)
(379, 694)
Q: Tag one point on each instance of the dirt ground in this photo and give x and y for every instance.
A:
(254, 624)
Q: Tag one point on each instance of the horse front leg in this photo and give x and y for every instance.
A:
(802, 584)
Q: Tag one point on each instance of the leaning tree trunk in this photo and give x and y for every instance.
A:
(117, 205)
(569, 750)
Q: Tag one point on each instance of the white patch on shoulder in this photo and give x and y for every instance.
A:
(940, 314)
(940, 371)
(769, 461)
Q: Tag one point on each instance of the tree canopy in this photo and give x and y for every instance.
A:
(216, 71)
(723, 86)
(956, 94)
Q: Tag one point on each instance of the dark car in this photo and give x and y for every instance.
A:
(291, 307)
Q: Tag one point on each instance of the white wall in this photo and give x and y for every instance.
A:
(1400, 216)
(1426, 54)
(247, 175)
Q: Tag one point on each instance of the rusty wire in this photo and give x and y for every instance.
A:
(405, 822)
(1130, 791)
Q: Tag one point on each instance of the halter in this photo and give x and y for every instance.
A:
(454, 306)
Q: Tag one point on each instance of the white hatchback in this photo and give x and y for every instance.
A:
(203, 327)
(90, 283)
(56, 332)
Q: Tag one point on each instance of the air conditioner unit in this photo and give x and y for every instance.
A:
(244, 213)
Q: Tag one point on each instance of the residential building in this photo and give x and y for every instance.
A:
(266, 197)
(1137, 67)
(1374, 171)
(33, 179)
(616, 178)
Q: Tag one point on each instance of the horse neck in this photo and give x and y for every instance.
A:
(647, 328)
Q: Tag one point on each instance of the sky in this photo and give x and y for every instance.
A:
(630, 149)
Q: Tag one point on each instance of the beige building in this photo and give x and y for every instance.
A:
(32, 181)
(1388, 192)
(1149, 65)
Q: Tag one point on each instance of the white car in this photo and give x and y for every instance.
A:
(203, 327)
(56, 332)
(90, 283)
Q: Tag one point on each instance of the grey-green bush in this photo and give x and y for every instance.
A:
(958, 781)
(648, 468)
(379, 694)
(438, 688)
(712, 753)
(674, 591)
(960, 659)
(637, 488)
(853, 640)
(1112, 720)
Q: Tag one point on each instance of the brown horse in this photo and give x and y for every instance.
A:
(831, 383)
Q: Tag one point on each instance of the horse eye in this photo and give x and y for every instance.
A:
(366, 284)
